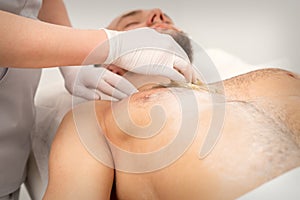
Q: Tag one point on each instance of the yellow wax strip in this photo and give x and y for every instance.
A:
(199, 85)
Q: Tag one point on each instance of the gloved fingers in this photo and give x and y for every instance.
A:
(119, 83)
(159, 52)
(134, 40)
(159, 70)
(86, 93)
(175, 76)
(148, 62)
(185, 68)
(194, 77)
(108, 89)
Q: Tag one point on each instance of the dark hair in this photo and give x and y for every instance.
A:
(183, 40)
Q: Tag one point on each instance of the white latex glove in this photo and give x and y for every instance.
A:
(86, 80)
(147, 51)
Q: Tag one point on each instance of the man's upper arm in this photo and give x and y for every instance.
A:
(73, 172)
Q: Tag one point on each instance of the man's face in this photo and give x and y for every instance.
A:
(153, 18)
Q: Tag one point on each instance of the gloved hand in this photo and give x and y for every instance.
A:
(148, 52)
(84, 81)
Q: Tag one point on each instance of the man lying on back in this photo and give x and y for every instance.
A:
(179, 141)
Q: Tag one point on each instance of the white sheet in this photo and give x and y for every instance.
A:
(285, 186)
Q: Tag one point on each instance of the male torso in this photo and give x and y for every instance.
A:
(259, 139)
(178, 143)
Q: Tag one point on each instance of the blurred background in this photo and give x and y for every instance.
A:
(257, 31)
